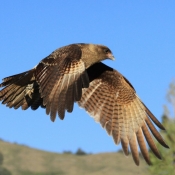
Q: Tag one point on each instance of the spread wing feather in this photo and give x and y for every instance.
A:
(112, 101)
(142, 145)
(61, 77)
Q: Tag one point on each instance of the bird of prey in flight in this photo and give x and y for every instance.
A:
(75, 73)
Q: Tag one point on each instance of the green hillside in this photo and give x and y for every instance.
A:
(22, 160)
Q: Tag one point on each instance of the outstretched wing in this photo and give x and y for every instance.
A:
(112, 101)
(61, 77)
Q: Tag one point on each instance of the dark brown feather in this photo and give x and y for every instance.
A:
(17, 88)
(142, 145)
(134, 149)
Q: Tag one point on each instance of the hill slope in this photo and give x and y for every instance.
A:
(22, 160)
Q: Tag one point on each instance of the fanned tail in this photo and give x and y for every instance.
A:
(21, 90)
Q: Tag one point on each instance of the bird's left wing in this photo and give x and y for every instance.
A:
(112, 101)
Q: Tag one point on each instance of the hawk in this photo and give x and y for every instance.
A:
(75, 73)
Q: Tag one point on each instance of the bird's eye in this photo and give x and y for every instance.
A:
(106, 50)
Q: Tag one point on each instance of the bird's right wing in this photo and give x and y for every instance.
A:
(112, 101)
(61, 77)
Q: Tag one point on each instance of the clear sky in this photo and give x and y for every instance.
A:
(141, 35)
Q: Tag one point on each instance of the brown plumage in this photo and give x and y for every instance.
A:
(112, 101)
(74, 73)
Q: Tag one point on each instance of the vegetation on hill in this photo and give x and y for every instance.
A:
(22, 160)
(167, 165)
(3, 171)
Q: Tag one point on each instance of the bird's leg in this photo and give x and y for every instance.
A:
(29, 90)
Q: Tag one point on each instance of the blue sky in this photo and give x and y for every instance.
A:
(141, 35)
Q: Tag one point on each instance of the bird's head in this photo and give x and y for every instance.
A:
(101, 52)
(106, 52)
(94, 53)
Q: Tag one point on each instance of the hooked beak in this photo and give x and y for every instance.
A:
(110, 56)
